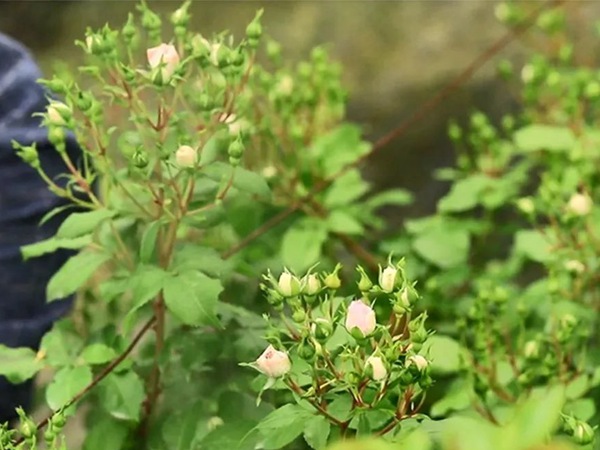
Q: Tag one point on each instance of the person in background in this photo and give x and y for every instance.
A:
(24, 200)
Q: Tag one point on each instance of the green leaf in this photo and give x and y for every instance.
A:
(61, 344)
(19, 364)
(316, 432)
(205, 259)
(457, 397)
(464, 194)
(74, 274)
(244, 180)
(533, 245)
(105, 434)
(184, 429)
(341, 222)
(122, 395)
(238, 435)
(345, 190)
(67, 382)
(301, 244)
(146, 283)
(417, 439)
(148, 241)
(338, 148)
(192, 297)
(212, 149)
(80, 224)
(283, 425)
(444, 245)
(544, 137)
(53, 244)
(98, 354)
(444, 353)
(341, 407)
(398, 197)
(537, 418)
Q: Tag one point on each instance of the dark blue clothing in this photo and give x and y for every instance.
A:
(24, 200)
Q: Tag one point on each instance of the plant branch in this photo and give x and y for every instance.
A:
(98, 378)
(419, 114)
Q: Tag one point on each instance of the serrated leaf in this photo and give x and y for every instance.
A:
(74, 274)
(244, 180)
(67, 382)
(145, 283)
(105, 434)
(316, 432)
(397, 197)
(544, 137)
(340, 221)
(80, 224)
(443, 246)
(533, 245)
(345, 190)
(283, 425)
(301, 244)
(122, 395)
(192, 297)
(19, 364)
(53, 244)
(148, 241)
(464, 194)
(98, 354)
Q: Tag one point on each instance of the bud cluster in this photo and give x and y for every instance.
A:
(343, 341)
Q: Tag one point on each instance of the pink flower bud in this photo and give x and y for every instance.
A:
(165, 58)
(186, 156)
(377, 366)
(273, 363)
(361, 316)
(580, 204)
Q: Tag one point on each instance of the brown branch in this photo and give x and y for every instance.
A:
(103, 374)
(421, 112)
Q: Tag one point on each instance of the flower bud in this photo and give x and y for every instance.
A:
(236, 149)
(273, 363)
(214, 423)
(254, 30)
(361, 317)
(58, 113)
(418, 361)
(306, 351)
(376, 368)
(163, 60)
(288, 284)
(299, 316)
(312, 285)
(28, 154)
(129, 31)
(580, 204)
(583, 434)
(332, 281)
(322, 329)
(531, 350)
(186, 156)
(526, 205)
(387, 278)
(140, 159)
(181, 16)
(365, 283)
(575, 266)
(94, 44)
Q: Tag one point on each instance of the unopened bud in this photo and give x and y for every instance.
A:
(375, 368)
(526, 205)
(583, 434)
(58, 113)
(365, 283)
(387, 278)
(322, 329)
(236, 149)
(360, 317)
(312, 285)
(140, 159)
(186, 156)
(332, 281)
(531, 350)
(580, 204)
(289, 285)
(419, 362)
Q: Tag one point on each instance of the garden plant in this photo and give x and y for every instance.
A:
(237, 287)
